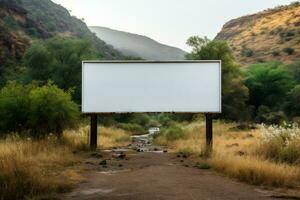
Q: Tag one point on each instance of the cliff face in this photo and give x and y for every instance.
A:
(14, 24)
(270, 35)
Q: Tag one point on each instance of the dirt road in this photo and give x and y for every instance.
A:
(156, 176)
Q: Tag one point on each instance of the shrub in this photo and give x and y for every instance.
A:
(135, 129)
(51, 110)
(37, 110)
(247, 52)
(281, 144)
(289, 50)
(10, 22)
(14, 107)
(174, 132)
(265, 115)
(275, 53)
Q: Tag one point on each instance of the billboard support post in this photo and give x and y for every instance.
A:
(93, 132)
(209, 132)
(152, 87)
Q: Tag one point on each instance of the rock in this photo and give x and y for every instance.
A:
(122, 155)
(103, 163)
(96, 155)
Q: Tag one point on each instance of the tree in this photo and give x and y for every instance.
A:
(14, 104)
(36, 110)
(234, 92)
(51, 110)
(39, 62)
(59, 60)
(293, 102)
(269, 84)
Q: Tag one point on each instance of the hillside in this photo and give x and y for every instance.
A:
(138, 45)
(23, 21)
(273, 34)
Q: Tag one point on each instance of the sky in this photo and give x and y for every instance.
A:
(170, 22)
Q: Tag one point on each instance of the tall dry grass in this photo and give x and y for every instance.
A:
(108, 137)
(30, 168)
(246, 155)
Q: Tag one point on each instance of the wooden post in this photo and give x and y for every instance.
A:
(93, 132)
(209, 133)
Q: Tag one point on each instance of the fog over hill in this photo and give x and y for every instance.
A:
(137, 45)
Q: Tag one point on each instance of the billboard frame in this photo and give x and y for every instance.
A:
(208, 115)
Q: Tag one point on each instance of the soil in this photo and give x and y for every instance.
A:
(128, 174)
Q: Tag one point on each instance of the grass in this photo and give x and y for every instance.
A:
(37, 168)
(246, 155)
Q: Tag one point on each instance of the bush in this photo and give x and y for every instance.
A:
(37, 110)
(275, 53)
(289, 50)
(14, 107)
(247, 52)
(135, 129)
(281, 144)
(51, 110)
(173, 132)
(265, 115)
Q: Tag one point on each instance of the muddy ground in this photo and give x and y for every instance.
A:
(146, 172)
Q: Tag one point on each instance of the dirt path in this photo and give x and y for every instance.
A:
(156, 176)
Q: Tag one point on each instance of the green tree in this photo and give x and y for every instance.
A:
(294, 70)
(51, 110)
(59, 60)
(14, 107)
(36, 110)
(293, 102)
(234, 92)
(40, 62)
(269, 84)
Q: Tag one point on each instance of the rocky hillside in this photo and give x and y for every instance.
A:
(138, 45)
(23, 21)
(270, 35)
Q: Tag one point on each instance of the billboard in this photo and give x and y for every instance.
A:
(151, 86)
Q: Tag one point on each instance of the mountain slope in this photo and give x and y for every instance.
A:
(273, 34)
(138, 45)
(23, 21)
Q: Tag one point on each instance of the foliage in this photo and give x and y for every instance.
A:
(14, 104)
(59, 60)
(234, 92)
(135, 129)
(289, 50)
(51, 110)
(281, 144)
(37, 110)
(269, 84)
(54, 19)
(292, 105)
(247, 52)
(173, 132)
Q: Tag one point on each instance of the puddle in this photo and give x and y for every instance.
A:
(112, 172)
(96, 191)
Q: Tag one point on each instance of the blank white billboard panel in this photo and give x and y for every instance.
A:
(179, 86)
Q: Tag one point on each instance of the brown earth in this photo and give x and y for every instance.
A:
(156, 176)
(265, 36)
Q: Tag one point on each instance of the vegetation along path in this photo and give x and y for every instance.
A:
(144, 172)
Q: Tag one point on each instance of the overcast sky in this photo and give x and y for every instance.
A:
(167, 21)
